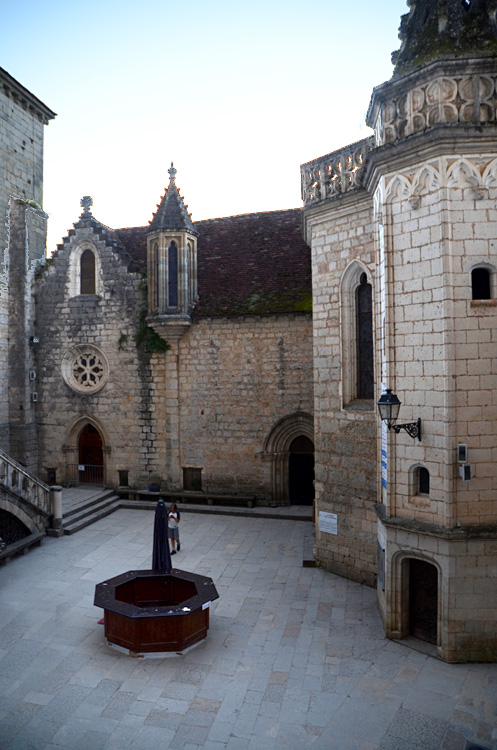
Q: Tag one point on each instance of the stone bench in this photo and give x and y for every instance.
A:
(206, 498)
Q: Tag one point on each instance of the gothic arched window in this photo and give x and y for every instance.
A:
(172, 275)
(157, 276)
(364, 322)
(87, 272)
(357, 337)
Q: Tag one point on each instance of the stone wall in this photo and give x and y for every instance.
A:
(440, 223)
(209, 403)
(467, 596)
(22, 246)
(121, 410)
(237, 378)
(341, 234)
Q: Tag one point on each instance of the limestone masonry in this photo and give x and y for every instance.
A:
(244, 356)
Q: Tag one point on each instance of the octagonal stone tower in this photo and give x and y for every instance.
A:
(409, 214)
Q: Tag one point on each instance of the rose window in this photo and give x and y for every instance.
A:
(85, 369)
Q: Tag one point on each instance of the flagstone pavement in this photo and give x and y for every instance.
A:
(295, 657)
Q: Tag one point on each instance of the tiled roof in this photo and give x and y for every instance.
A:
(249, 264)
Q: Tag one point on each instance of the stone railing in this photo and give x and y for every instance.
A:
(16, 478)
(335, 173)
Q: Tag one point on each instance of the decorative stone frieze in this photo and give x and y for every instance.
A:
(479, 175)
(440, 93)
(334, 174)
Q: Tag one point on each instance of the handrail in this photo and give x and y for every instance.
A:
(16, 478)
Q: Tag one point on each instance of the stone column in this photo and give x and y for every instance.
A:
(56, 529)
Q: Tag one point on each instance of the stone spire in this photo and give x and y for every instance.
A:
(445, 28)
(171, 213)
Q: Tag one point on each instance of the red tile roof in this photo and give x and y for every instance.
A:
(249, 264)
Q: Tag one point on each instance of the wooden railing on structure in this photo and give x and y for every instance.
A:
(20, 481)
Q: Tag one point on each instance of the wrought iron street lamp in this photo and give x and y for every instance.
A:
(389, 407)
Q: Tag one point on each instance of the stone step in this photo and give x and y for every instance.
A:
(87, 513)
(88, 502)
(287, 513)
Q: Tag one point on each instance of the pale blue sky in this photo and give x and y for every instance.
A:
(238, 95)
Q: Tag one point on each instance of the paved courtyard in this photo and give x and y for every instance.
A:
(295, 657)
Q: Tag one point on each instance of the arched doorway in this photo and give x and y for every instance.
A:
(90, 456)
(423, 600)
(289, 449)
(301, 471)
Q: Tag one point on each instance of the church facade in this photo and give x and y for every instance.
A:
(179, 354)
(245, 356)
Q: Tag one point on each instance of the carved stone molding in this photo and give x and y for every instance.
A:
(334, 174)
(462, 173)
(466, 99)
(85, 368)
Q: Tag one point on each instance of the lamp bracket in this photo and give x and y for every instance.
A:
(413, 429)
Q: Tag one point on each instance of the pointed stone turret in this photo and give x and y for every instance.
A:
(444, 73)
(172, 264)
(171, 213)
(445, 28)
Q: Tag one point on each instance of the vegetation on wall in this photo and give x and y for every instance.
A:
(146, 336)
(122, 340)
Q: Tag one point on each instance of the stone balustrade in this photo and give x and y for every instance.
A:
(17, 479)
(334, 174)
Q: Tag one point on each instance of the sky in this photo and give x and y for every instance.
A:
(238, 95)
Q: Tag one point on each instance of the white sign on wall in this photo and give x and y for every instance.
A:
(328, 522)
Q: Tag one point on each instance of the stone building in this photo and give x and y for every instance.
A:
(403, 231)
(22, 250)
(185, 353)
(179, 354)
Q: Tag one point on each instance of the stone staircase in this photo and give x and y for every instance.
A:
(91, 508)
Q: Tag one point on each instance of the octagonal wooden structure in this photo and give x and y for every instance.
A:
(147, 611)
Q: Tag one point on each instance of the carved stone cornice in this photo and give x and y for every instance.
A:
(170, 327)
(28, 101)
(335, 174)
(423, 147)
(448, 91)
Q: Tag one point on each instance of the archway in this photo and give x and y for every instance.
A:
(289, 440)
(301, 471)
(12, 529)
(90, 456)
(423, 600)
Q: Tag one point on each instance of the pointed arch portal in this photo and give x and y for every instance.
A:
(290, 449)
(90, 455)
(87, 449)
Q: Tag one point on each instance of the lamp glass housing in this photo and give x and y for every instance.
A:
(389, 407)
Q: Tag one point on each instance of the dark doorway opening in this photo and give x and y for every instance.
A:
(301, 471)
(11, 529)
(423, 600)
(91, 456)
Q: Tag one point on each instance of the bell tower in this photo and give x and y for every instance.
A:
(171, 264)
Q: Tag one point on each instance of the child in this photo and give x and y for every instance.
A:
(173, 519)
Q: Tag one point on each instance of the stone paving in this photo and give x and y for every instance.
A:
(295, 657)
